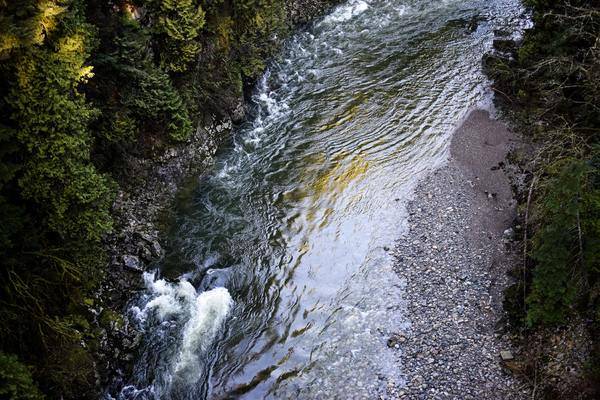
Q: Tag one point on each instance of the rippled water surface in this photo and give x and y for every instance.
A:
(285, 286)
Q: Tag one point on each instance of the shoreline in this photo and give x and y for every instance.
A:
(455, 258)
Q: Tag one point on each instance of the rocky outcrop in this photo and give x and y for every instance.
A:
(302, 11)
(150, 185)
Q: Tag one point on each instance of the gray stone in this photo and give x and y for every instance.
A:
(509, 233)
(506, 355)
(455, 268)
(132, 263)
(157, 249)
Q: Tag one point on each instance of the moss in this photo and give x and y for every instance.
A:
(111, 320)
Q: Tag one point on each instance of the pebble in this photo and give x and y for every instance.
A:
(454, 298)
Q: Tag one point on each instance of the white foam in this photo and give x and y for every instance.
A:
(347, 11)
(167, 298)
(204, 313)
(207, 314)
(402, 10)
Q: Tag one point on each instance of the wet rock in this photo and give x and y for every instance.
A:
(504, 45)
(157, 249)
(239, 112)
(151, 245)
(146, 237)
(132, 343)
(501, 32)
(144, 252)
(395, 340)
(132, 263)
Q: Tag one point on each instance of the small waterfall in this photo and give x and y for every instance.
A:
(169, 308)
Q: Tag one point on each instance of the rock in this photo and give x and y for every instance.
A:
(146, 237)
(502, 32)
(132, 263)
(132, 343)
(157, 249)
(509, 233)
(395, 340)
(144, 252)
(239, 112)
(171, 153)
(506, 355)
(474, 22)
(504, 45)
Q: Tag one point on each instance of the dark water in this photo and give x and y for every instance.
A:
(286, 287)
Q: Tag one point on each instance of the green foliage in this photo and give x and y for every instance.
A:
(260, 21)
(26, 23)
(136, 97)
(591, 222)
(49, 118)
(177, 25)
(157, 75)
(553, 84)
(15, 380)
(561, 255)
(55, 205)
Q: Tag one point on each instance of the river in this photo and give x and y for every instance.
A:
(285, 287)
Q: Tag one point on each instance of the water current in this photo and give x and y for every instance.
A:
(285, 287)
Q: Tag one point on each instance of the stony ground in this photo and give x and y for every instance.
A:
(454, 259)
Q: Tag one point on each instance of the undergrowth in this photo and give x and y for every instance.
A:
(551, 86)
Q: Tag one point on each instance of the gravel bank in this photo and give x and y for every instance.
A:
(454, 259)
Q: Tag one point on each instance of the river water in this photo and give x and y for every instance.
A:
(285, 287)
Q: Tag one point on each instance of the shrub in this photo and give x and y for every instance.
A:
(15, 380)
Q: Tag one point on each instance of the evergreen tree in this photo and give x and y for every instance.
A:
(177, 25)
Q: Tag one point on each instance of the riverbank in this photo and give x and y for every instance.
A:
(547, 85)
(455, 258)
